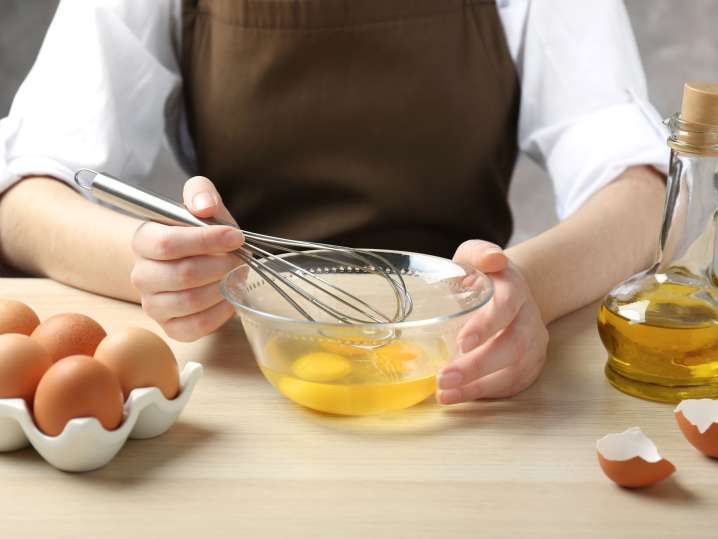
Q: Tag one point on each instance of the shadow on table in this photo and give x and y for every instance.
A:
(429, 418)
(23, 456)
(141, 461)
(138, 461)
(7, 271)
(670, 491)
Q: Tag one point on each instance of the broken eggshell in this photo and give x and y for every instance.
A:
(698, 420)
(84, 444)
(631, 459)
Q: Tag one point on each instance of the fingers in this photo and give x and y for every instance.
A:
(177, 269)
(202, 199)
(153, 276)
(190, 328)
(502, 367)
(510, 293)
(498, 353)
(482, 255)
(164, 306)
(499, 385)
(160, 242)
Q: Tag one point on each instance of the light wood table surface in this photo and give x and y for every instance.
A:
(244, 462)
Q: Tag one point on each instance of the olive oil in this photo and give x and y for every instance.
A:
(334, 377)
(660, 326)
(662, 341)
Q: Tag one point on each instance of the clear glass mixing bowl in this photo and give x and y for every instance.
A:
(359, 369)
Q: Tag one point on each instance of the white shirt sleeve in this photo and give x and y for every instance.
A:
(584, 113)
(97, 94)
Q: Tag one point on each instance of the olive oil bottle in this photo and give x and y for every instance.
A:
(660, 327)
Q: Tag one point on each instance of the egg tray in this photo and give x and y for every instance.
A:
(85, 444)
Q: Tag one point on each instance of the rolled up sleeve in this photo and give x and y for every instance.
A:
(96, 94)
(585, 115)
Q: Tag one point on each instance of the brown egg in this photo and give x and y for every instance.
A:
(631, 459)
(69, 334)
(22, 364)
(16, 317)
(140, 358)
(698, 420)
(77, 386)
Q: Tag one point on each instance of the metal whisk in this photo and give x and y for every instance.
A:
(317, 291)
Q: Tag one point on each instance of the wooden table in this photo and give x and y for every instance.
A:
(244, 462)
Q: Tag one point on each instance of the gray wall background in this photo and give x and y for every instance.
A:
(676, 40)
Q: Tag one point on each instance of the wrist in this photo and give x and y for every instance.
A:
(522, 263)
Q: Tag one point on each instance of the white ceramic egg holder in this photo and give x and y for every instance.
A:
(85, 445)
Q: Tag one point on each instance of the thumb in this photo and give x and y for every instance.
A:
(482, 255)
(202, 199)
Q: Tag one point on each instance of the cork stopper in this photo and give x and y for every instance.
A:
(695, 129)
(700, 103)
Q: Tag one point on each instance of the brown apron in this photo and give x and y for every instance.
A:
(371, 123)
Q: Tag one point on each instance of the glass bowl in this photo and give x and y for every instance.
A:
(358, 369)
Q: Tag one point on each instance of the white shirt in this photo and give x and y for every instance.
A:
(103, 94)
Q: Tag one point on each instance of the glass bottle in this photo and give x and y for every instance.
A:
(660, 326)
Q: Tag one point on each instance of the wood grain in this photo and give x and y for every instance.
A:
(245, 462)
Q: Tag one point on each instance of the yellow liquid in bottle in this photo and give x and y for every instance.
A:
(662, 343)
(333, 377)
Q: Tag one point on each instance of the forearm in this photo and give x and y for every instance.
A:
(48, 229)
(614, 235)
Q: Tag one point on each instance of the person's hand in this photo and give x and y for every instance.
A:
(503, 345)
(177, 269)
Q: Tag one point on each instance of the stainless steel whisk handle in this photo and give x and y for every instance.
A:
(139, 201)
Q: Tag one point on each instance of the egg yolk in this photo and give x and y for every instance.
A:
(321, 367)
(392, 359)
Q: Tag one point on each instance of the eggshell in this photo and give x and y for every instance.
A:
(631, 459)
(698, 420)
(69, 334)
(22, 363)
(140, 358)
(16, 317)
(77, 386)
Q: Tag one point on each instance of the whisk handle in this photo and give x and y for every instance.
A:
(138, 201)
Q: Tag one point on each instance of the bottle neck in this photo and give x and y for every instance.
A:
(688, 232)
(692, 137)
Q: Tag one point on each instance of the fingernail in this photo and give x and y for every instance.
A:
(450, 396)
(233, 239)
(467, 344)
(494, 250)
(202, 201)
(450, 379)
